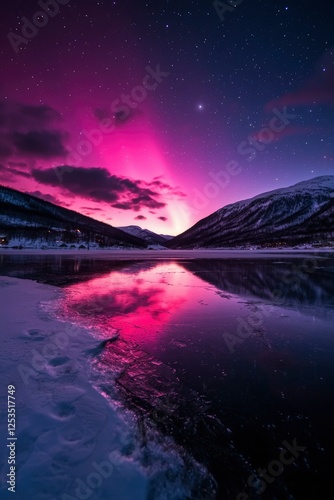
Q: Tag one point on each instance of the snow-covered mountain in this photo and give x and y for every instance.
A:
(149, 236)
(25, 218)
(300, 214)
(166, 237)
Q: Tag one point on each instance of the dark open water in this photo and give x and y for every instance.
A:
(229, 357)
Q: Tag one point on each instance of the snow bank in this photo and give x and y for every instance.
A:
(72, 443)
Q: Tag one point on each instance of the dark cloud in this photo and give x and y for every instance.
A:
(22, 173)
(287, 131)
(163, 218)
(22, 164)
(97, 184)
(42, 114)
(20, 117)
(101, 114)
(42, 144)
(319, 89)
(91, 208)
(166, 188)
(30, 131)
(3, 172)
(6, 150)
(10, 171)
(118, 117)
(140, 217)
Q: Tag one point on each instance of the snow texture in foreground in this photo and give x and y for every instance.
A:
(71, 442)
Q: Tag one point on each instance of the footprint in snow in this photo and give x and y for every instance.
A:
(35, 334)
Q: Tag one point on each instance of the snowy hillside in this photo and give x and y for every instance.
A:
(166, 237)
(149, 236)
(303, 213)
(29, 221)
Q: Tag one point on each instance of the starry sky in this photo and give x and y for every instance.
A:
(157, 113)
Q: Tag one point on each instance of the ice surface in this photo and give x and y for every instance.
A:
(65, 428)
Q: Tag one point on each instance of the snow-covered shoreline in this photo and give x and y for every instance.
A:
(65, 429)
(72, 442)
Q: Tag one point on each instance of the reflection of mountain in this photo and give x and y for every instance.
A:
(261, 278)
(288, 281)
(62, 270)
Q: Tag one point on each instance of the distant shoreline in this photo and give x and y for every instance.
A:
(168, 254)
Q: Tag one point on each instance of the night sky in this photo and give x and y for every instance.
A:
(158, 113)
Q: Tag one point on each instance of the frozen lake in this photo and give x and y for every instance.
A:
(230, 355)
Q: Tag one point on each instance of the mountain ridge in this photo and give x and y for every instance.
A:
(150, 237)
(26, 216)
(293, 215)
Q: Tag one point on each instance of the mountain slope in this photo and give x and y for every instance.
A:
(166, 237)
(149, 236)
(303, 213)
(25, 216)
